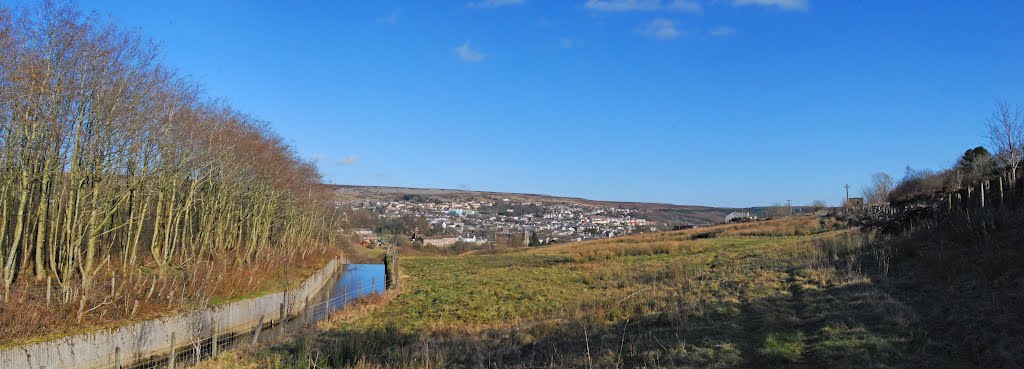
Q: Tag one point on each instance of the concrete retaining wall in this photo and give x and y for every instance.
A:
(140, 340)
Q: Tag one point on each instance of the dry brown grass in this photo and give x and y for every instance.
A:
(655, 300)
(124, 296)
(686, 241)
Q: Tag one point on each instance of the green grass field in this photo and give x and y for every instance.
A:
(780, 294)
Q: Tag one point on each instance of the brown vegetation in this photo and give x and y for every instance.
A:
(123, 190)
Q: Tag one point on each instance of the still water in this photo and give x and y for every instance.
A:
(349, 281)
(370, 277)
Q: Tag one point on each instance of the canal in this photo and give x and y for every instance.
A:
(354, 280)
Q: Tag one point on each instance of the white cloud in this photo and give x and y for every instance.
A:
(689, 6)
(788, 5)
(723, 31)
(660, 28)
(468, 54)
(391, 18)
(348, 160)
(319, 158)
(493, 3)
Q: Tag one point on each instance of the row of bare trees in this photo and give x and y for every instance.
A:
(111, 161)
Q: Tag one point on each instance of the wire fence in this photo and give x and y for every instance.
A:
(188, 350)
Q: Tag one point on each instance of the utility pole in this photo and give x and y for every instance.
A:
(847, 194)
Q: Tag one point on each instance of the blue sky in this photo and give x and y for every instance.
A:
(709, 102)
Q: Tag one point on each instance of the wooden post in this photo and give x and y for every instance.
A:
(387, 268)
(950, 202)
(982, 195)
(280, 323)
(359, 293)
(373, 284)
(1000, 190)
(170, 359)
(216, 335)
(344, 296)
(259, 326)
(49, 289)
(305, 312)
(327, 306)
(117, 358)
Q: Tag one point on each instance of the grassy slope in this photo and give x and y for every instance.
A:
(764, 294)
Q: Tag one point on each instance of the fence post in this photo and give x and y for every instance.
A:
(216, 334)
(117, 357)
(1000, 190)
(983, 195)
(344, 296)
(327, 306)
(259, 326)
(305, 311)
(170, 359)
(280, 323)
(373, 284)
(359, 293)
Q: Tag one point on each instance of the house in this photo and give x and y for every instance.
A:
(366, 235)
(737, 216)
(473, 239)
(855, 202)
(438, 240)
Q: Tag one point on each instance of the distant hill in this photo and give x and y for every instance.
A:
(663, 213)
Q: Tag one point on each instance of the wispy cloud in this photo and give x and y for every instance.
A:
(688, 6)
(348, 160)
(722, 31)
(468, 54)
(787, 5)
(660, 28)
(391, 18)
(317, 158)
(493, 3)
(566, 43)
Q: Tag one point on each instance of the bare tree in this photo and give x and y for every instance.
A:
(878, 191)
(1006, 131)
(111, 163)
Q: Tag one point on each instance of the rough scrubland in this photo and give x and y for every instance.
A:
(799, 292)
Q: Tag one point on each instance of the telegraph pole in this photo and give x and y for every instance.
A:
(847, 195)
